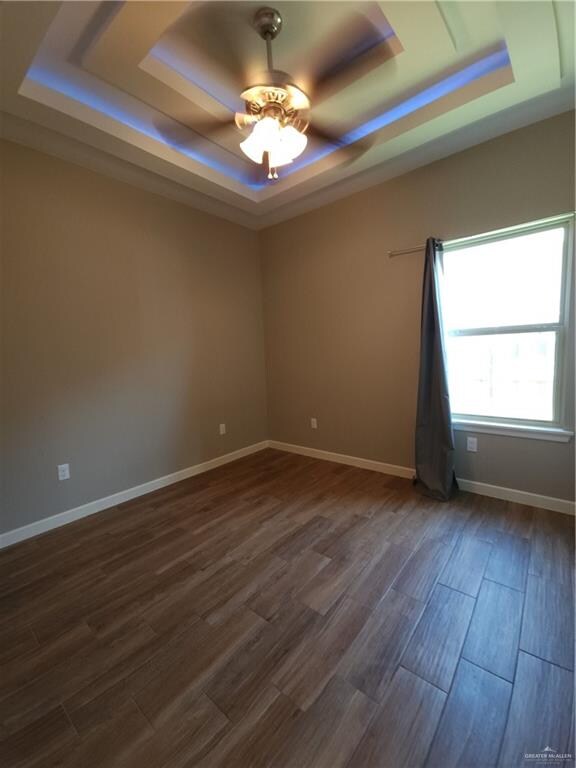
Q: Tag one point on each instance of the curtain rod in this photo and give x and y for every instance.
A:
(478, 238)
(415, 249)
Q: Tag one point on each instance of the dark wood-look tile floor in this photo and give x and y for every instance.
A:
(283, 611)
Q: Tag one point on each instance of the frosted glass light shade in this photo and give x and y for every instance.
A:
(263, 138)
(252, 148)
(294, 141)
(282, 143)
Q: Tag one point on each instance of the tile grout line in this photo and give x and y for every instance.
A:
(67, 714)
(505, 729)
(448, 693)
(500, 584)
(546, 661)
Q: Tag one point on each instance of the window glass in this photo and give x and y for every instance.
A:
(513, 281)
(509, 375)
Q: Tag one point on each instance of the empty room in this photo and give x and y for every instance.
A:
(287, 363)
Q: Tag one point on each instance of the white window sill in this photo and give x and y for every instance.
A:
(552, 434)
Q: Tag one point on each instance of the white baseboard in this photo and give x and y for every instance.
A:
(341, 458)
(55, 521)
(482, 489)
(565, 506)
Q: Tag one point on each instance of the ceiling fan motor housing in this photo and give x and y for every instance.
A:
(277, 97)
(268, 23)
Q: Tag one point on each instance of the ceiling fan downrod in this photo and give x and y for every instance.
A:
(268, 24)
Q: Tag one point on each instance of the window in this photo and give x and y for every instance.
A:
(505, 313)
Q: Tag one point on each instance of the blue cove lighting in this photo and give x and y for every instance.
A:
(106, 107)
(57, 82)
(485, 66)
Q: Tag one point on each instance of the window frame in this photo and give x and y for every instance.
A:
(557, 429)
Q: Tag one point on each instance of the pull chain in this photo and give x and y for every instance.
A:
(272, 172)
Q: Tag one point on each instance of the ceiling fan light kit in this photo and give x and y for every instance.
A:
(281, 143)
(277, 109)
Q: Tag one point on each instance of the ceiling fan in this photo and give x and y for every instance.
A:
(277, 111)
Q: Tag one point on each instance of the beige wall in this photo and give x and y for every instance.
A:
(133, 327)
(342, 320)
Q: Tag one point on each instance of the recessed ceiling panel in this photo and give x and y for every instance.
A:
(164, 79)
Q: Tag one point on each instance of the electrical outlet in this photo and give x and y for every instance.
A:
(472, 444)
(314, 422)
(63, 471)
(222, 429)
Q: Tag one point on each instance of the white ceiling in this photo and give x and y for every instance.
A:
(121, 86)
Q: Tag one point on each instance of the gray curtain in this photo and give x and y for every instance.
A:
(434, 437)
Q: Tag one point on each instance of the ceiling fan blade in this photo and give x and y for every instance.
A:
(206, 127)
(182, 135)
(227, 25)
(185, 139)
(244, 120)
(219, 30)
(349, 151)
(360, 47)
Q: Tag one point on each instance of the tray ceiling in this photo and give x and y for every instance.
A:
(126, 87)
